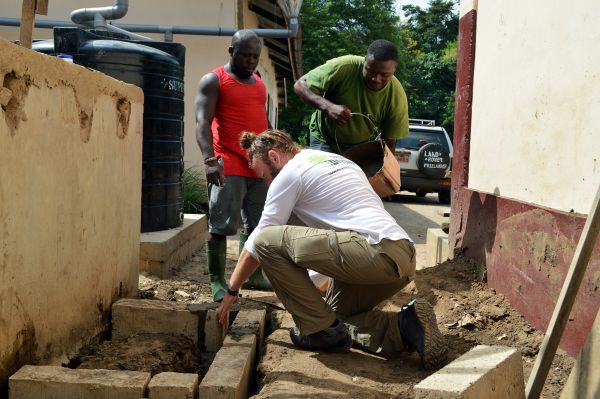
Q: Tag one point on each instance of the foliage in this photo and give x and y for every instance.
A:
(430, 43)
(433, 28)
(427, 41)
(195, 197)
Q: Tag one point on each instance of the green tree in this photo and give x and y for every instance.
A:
(430, 46)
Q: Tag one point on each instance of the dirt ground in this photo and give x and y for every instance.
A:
(468, 313)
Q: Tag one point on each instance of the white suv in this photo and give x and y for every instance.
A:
(425, 157)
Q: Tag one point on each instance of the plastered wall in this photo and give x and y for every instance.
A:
(70, 184)
(536, 102)
(203, 53)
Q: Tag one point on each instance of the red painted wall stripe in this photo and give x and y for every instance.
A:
(465, 65)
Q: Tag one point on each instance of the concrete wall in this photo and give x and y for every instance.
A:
(265, 68)
(535, 102)
(70, 184)
(584, 380)
(203, 53)
(525, 142)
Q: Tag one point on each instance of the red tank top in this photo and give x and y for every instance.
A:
(241, 107)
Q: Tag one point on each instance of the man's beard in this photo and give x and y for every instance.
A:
(273, 169)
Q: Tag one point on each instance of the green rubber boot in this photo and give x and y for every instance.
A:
(257, 280)
(216, 251)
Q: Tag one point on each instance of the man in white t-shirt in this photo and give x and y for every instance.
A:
(348, 236)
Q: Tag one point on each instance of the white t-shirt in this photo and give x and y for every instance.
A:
(326, 191)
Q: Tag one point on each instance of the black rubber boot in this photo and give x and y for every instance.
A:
(331, 339)
(216, 251)
(257, 280)
(420, 333)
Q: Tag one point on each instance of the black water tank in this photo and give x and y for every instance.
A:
(157, 68)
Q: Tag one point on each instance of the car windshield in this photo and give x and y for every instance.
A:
(418, 138)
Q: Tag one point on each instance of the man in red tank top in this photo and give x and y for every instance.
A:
(231, 99)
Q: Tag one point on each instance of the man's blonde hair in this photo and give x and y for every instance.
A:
(259, 145)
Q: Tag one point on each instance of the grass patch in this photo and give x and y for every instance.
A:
(195, 196)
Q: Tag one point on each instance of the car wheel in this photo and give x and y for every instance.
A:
(444, 197)
(433, 160)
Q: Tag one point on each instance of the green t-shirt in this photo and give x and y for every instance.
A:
(340, 81)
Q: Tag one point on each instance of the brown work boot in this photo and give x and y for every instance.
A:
(420, 333)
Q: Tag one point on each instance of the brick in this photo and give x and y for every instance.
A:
(214, 332)
(163, 251)
(231, 371)
(250, 322)
(170, 385)
(51, 382)
(135, 316)
(491, 372)
(438, 249)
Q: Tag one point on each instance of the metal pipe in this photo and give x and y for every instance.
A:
(292, 31)
(132, 36)
(85, 16)
(99, 21)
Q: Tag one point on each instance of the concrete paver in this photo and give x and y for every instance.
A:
(250, 321)
(52, 382)
(490, 372)
(135, 316)
(437, 247)
(214, 332)
(173, 385)
(229, 374)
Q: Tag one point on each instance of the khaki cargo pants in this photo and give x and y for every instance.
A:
(362, 276)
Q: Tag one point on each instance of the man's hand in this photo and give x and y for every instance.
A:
(224, 306)
(246, 265)
(214, 173)
(338, 113)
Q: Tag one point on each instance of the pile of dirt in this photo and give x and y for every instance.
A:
(469, 313)
(154, 353)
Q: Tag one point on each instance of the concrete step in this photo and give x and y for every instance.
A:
(162, 252)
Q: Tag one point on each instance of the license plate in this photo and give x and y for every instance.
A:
(403, 157)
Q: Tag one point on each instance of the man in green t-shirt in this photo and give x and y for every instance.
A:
(356, 98)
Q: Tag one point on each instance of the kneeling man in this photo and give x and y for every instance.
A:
(348, 236)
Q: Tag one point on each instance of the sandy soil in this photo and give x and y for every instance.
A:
(148, 352)
(468, 313)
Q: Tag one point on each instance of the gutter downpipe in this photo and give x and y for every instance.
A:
(84, 16)
(97, 17)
